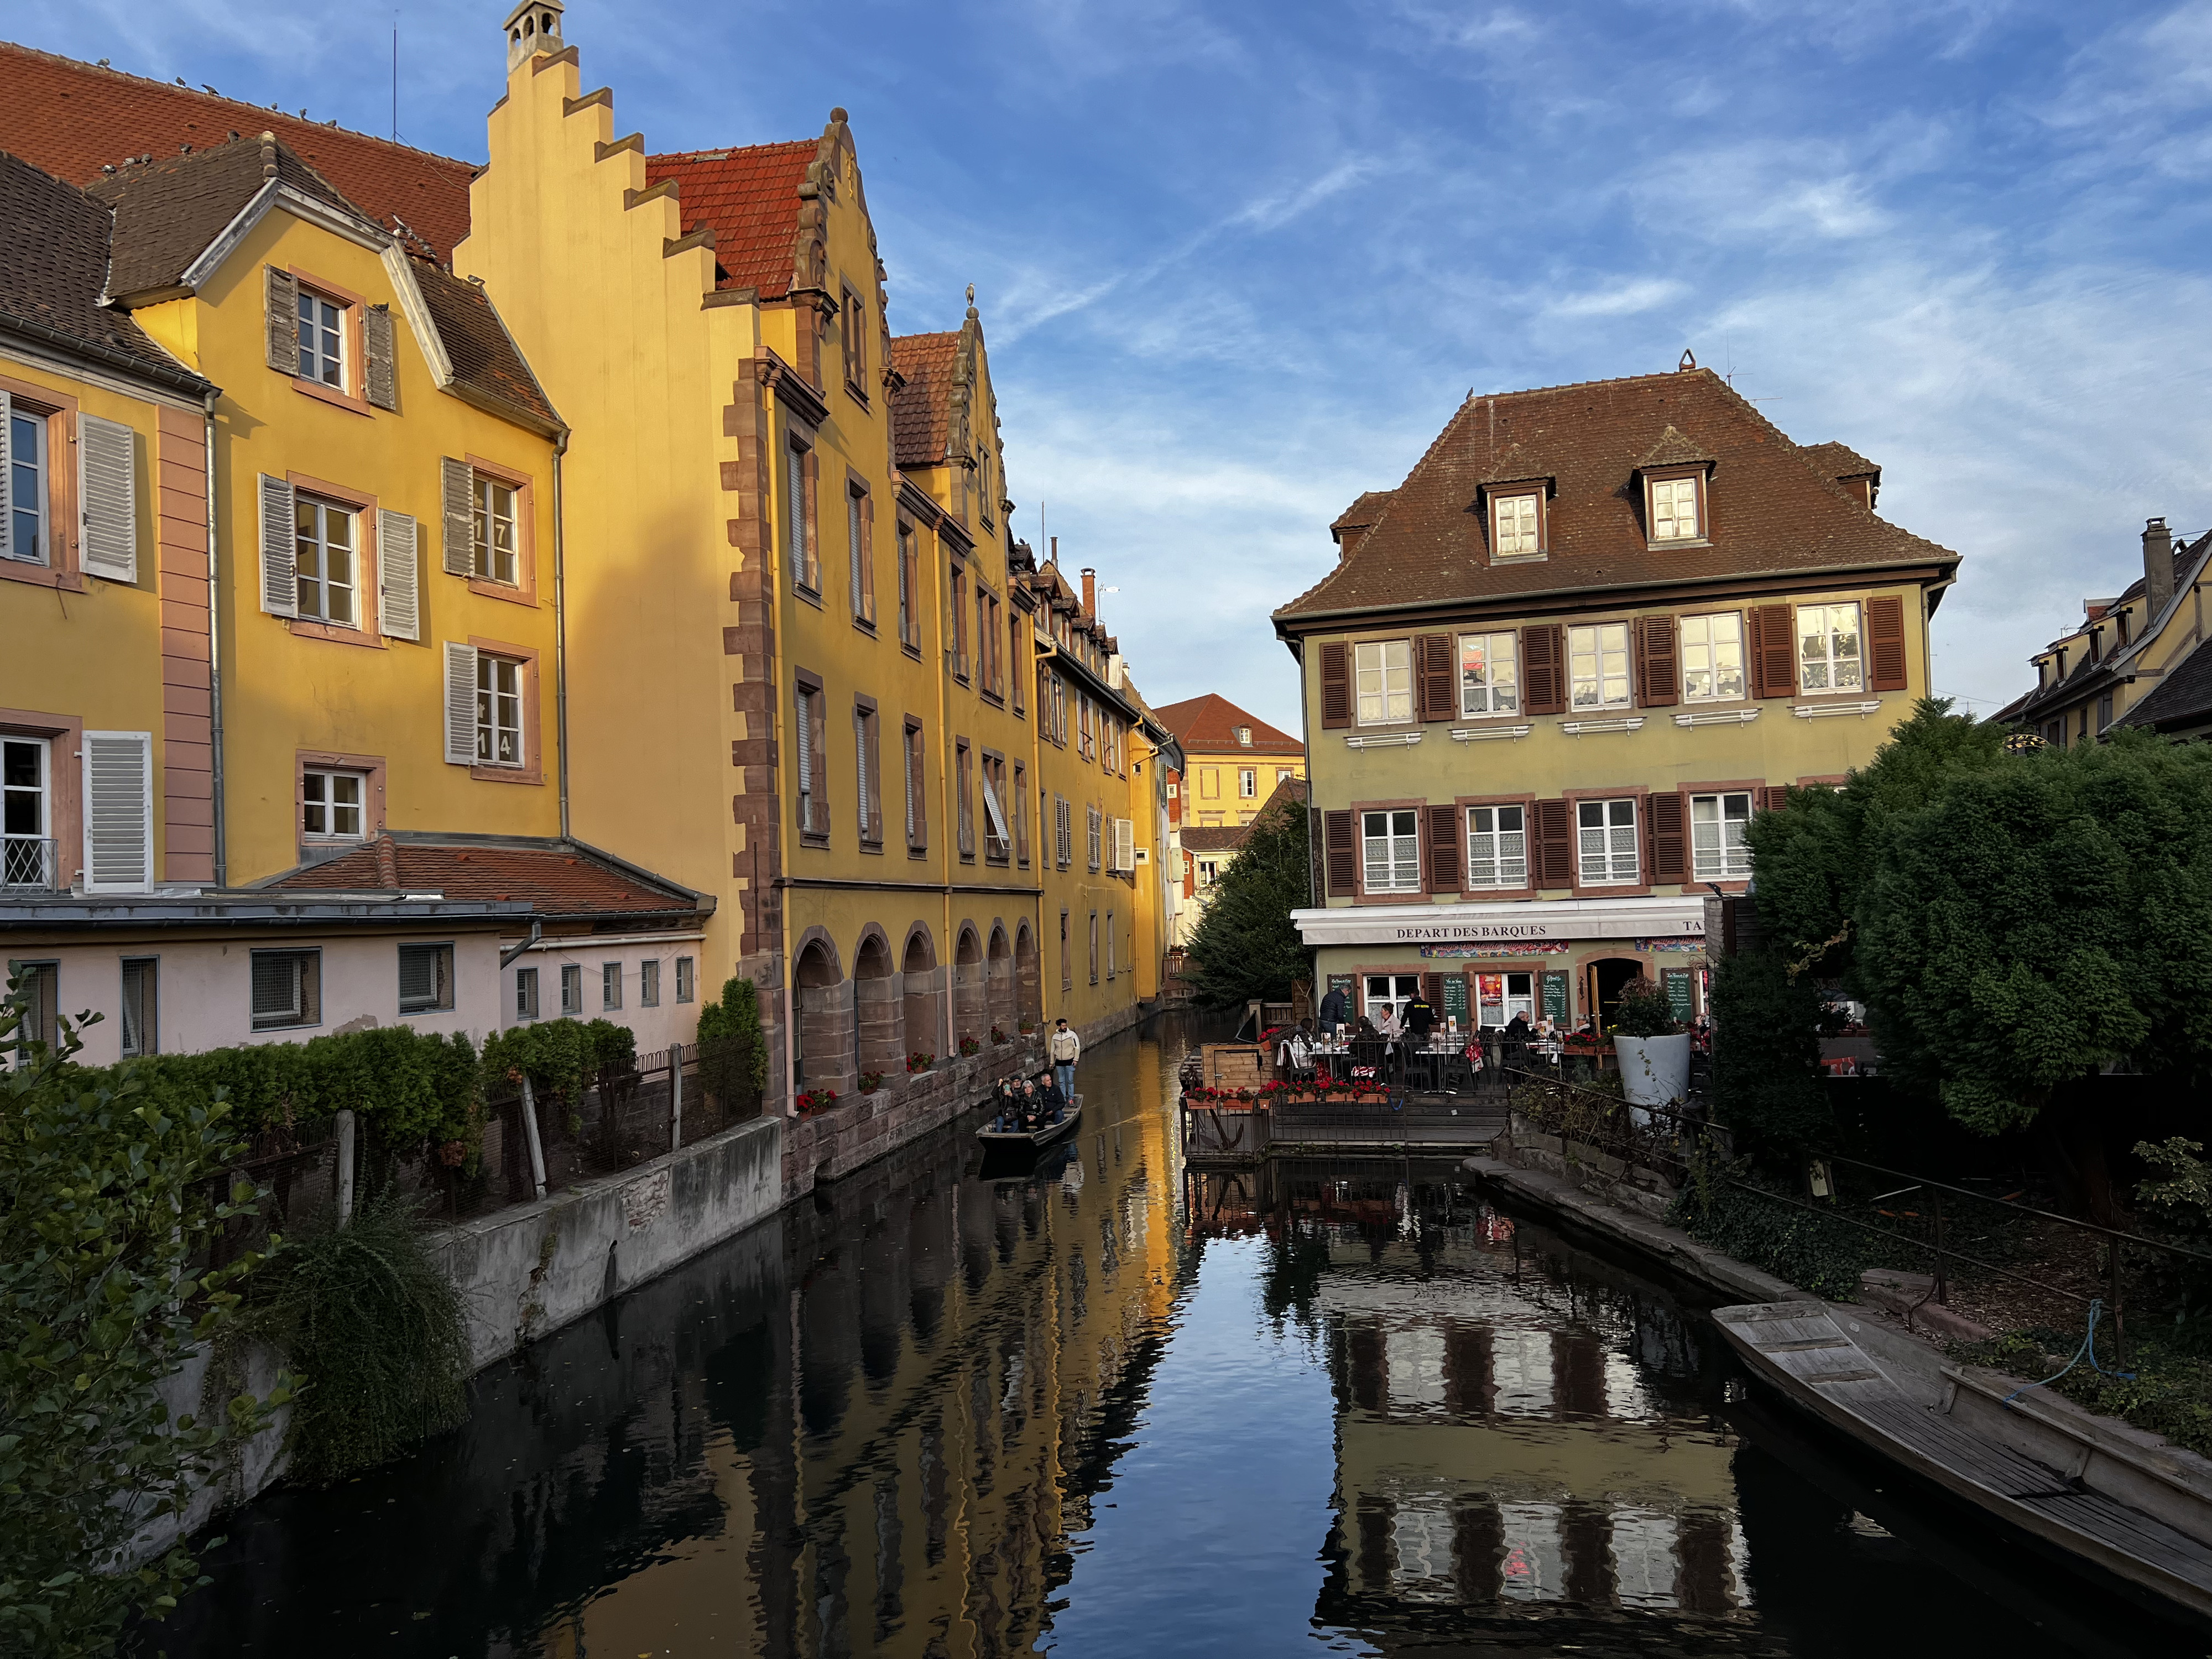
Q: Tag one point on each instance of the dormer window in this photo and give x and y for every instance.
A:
(1244, 737)
(1676, 511)
(1516, 525)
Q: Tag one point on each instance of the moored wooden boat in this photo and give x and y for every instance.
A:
(1798, 1349)
(1043, 1136)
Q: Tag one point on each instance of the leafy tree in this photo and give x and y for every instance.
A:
(108, 1206)
(1766, 1055)
(1245, 945)
(733, 1047)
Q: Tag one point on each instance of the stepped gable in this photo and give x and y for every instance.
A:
(72, 119)
(1772, 513)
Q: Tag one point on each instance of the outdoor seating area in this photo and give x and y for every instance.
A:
(1454, 1063)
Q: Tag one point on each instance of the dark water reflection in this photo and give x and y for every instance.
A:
(1097, 1407)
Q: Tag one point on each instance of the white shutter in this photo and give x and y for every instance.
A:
(280, 585)
(119, 811)
(1125, 844)
(457, 489)
(7, 518)
(991, 806)
(398, 570)
(460, 704)
(107, 473)
(861, 766)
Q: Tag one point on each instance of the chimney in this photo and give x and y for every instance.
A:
(1091, 591)
(2158, 568)
(531, 27)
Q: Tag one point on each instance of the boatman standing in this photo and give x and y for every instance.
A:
(1064, 1047)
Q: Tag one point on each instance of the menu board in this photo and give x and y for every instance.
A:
(1681, 996)
(1456, 998)
(1555, 998)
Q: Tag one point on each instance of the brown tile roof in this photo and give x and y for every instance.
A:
(1364, 512)
(1835, 460)
(169, 210)
(1209, 724)
(2182, 698)
(750, 197)
(73, 119)
(561, 878)
(483, 354)
(59, 249)
(1672, 449)
(1772, 513)
(1214, 837)
(921, 409)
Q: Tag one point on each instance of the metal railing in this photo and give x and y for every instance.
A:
(27, 861)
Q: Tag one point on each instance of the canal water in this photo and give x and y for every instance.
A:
(1090, 1405)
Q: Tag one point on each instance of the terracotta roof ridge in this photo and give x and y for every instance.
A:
(201, 93)
(1675, 448)
(730, 152)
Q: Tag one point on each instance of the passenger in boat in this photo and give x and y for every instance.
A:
(1049, 1103)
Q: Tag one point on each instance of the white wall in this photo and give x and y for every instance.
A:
(673, 1022)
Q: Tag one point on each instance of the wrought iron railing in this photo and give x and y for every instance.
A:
(27, 861)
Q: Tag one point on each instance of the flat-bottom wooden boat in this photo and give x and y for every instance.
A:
(1798, 1349)
(1043, 1136)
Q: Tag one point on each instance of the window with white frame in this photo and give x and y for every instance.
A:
(426, 978)
(499, 710)
(649, 984)
(324, 560)
(38, 987)
(1717, 851)
(1516, 525)
(287, 988)
(611, 985)
(1712, 657)
(322, 340)
(493, 530)
(1489, 674)
(1674, 510)
(525, 993)
(1828, 658)
(1392, 844)
(333, 804)
(1605, 832)
(27, 804)
(1209, 872)
(797, 542)
(572, 988)
(1597, 666)
(1387, 990)
(29, 472)
(1498, 997)
(1248, 782)
(685, 981)
(803, 725)
(1496, 846)
(141, 1006)
(1385, 674)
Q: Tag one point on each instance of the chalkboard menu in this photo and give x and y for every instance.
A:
(1456, 998)
(1555, 998)
(1682, 998)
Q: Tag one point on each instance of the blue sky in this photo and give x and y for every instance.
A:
(1238, 263)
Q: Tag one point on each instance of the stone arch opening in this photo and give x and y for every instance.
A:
(822, 1048)
(878, 1008)
(998, 980)
(1028, 978)
(921, 997)
(970, 996)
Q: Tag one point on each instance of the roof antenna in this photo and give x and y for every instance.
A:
(395, 77)
(1689, 361)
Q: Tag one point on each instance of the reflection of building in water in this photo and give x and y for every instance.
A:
(1512, 1434)
(942, 1375)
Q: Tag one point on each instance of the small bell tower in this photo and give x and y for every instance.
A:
(531, 27)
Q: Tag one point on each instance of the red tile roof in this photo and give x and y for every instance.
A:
(561, 878)
(921, 413)
(1209, 724)
(1772, 513)
(1835, 460)
(1364, 512)
(749, 196)
(73, 119)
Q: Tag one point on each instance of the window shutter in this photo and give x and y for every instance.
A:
(1662, 816)
(119, 811)
(1336, 683)
(7, 518)
(1774, 797)
(1343, 855)
(280, 586)
(457, 493)
(400, 607)
(283, 321)
(1658, 671)
(1773, 673)
(1432, 657)
(460, 704)
(1885, 633)
(1433, 993)
(108, 477)
(1555, 844)
(377, 344)
(1443, 849)
(1543, 670)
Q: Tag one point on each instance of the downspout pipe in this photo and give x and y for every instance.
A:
(506, 958)
(215, 652)
(560, 637)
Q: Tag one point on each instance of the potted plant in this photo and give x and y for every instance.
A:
(817, 1100)
(871, 1081)
(919, 1062)
(999, 1035)
(1653, 1049)
(968, 1047)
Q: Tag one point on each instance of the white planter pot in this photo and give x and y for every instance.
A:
(1654, 1071)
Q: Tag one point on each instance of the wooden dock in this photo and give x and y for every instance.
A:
(1798, 1349)
(1242, 1134)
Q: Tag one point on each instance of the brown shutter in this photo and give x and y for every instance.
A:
(1336, 683)
(1775, 798)
(283, 321)
(377, 341)
(1433, 993)
(1658, 672)
(1432, 659)
(1343, 855)
(1316, 887)
(1544, 669)
(1555, 844)
(1773, 671)
(1885, 633)
(1443, 849)
(1662, 815)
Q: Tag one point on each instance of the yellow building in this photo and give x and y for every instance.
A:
(1234, 762)
(798, 644)
(1555, 673)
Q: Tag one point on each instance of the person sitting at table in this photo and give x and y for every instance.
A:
(1294, 1054)
(1516, 1029)
(1420, 1019)
(1365, 1028)
(1387, 1027)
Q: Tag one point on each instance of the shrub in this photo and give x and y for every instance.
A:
(1721, 1205)
(564, 1057)
(1643, 1011)
(733, 1049)
(1767, 1054)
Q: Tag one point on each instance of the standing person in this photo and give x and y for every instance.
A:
(1332, 1011)
(1064, 1047)
(1420, 1019)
